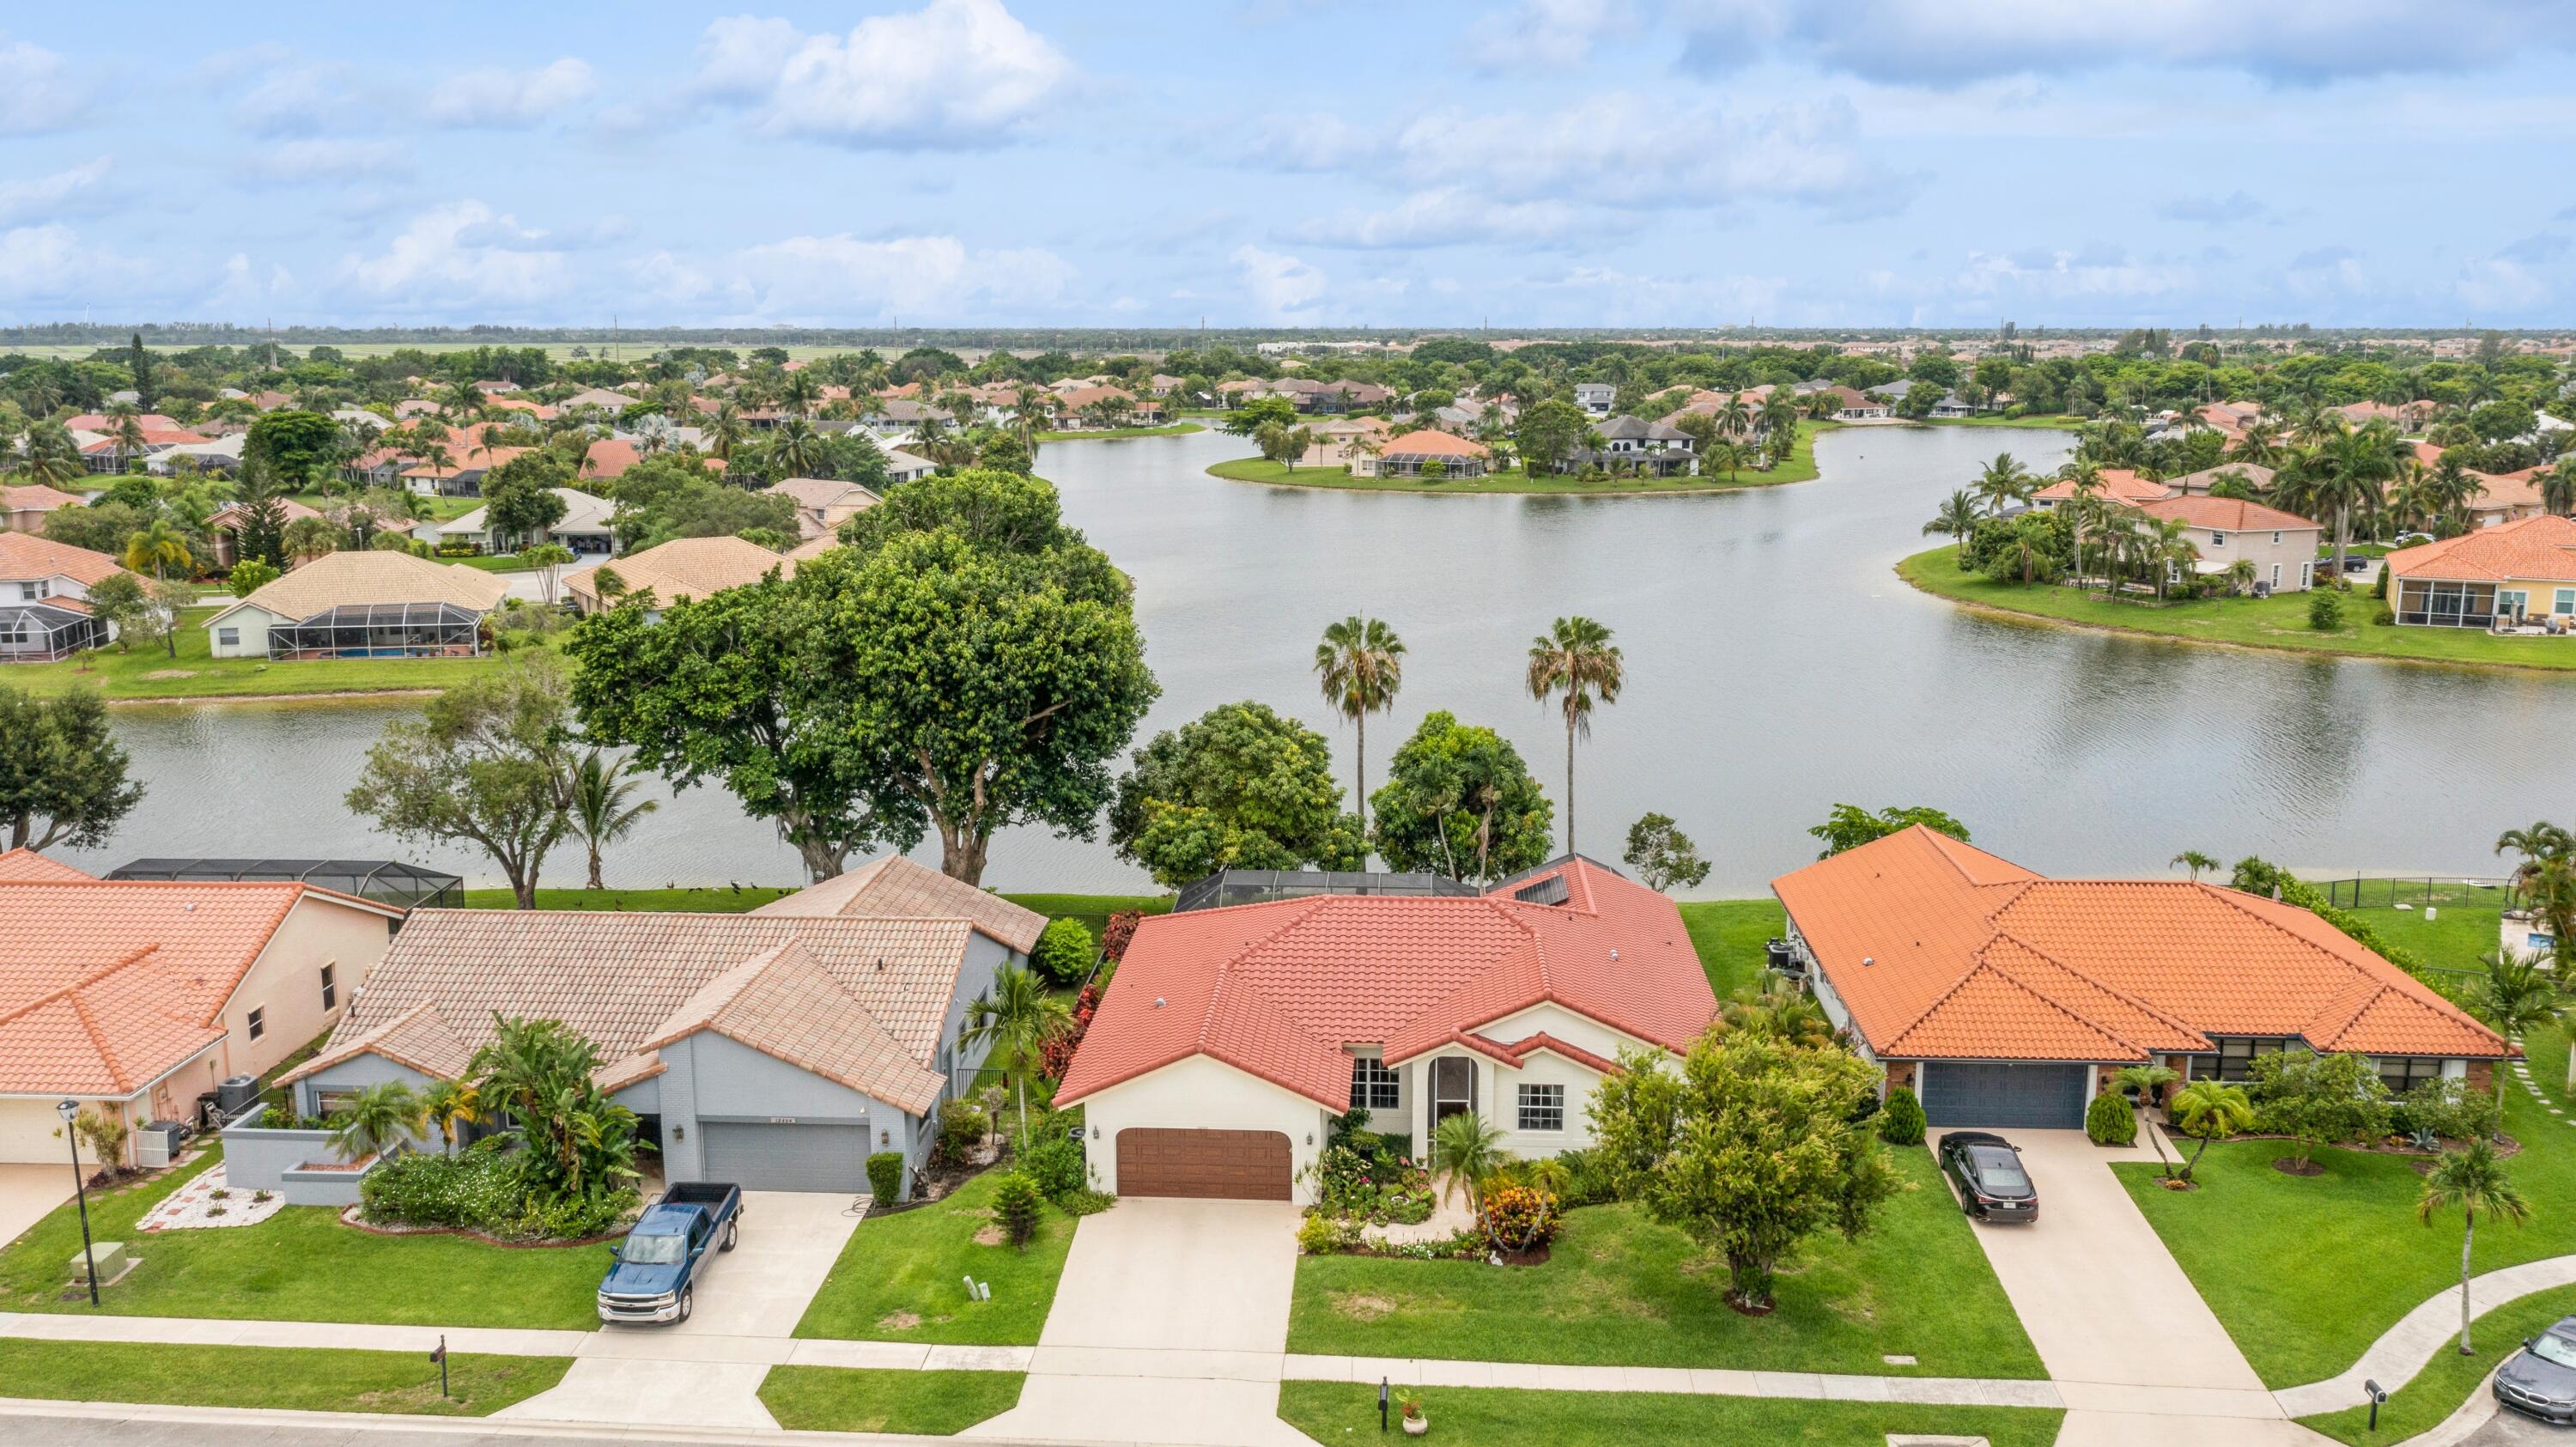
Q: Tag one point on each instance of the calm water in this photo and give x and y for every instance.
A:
(1776, 666)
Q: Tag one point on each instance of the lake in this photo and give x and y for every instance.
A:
(1775, 666)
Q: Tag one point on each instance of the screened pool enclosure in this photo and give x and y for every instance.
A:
(43, 632)
(381, 630)
(386, 881)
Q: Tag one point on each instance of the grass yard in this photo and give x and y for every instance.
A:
(296, 1379)
(1729, 933)
(2280, 621)
(1346, 1412)
(196, 674)
(301, 1265)
(1112, 434)
(2306, 1272)
(1620, 1290)
(1801, 467)
(2446, 1381)
(855, 1399)
(707, 899)
(901, 1278)
(1093, 910)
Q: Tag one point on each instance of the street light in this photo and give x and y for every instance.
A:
(68, 1110)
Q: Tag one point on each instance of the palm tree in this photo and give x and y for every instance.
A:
(2543, 840)
(2207, 1110)
(2261, 444)
(2169, 549)
(1029, 417)
(2240, 576)
(2004, 480)
(158, 546)
(451, 1105)
(548, 559)
(376, 1118)
(1957, 518)
(2141, 1082)
(464, 401)
(2515, 996)
(601, 815)
(1361, 666)
(2471, 1181)
(726, 429)
(127, 428)
(1469, 1152)
(1015, 1020)
(1575, 657)
(53, 459)
(796, 449)
(2558, 487)
(1734, 419)
(2195, 861)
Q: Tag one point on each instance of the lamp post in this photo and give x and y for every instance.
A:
(69, 1110)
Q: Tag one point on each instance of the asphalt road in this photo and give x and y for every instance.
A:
(2512, 1429)
(96, 1432)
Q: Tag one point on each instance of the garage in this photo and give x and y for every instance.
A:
(763, 1156)
(1225, 1165)
(2032, 1095)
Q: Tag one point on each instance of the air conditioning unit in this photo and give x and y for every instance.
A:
(236, 1094)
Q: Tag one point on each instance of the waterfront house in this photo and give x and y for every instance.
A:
(361, 605)
(1851, 405)
(2282, 546)
(587, 528)
(2524, 569)
(2111, 484)
(2506, 496)
(45, 612)
(679, 569)
(1411, 453)
(1633, 444)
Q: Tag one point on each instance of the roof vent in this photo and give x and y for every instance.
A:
(1158, 1002)
(188, 908)
(1614, 954)
(1867, 961)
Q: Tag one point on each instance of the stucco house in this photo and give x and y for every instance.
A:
(24, 509)
(45, 612)
(362, 605)
(2007, 999)
(1231, 1037)
(681, 568)
(2513, 571)
(1412, 453)
(778, 1049)
(587, 528)
(2282, 546)
(822, 503)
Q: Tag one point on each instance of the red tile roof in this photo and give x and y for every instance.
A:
(1427, 443)
(2223, 514)
(2537, 548)
(1279, 990)
(2119, 484)
(27, 556)
(26, 864)
(1942, 951)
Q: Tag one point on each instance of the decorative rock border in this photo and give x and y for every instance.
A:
(196, 1206)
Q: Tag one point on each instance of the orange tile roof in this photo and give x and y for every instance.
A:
(1427, 443)
(1278, 990)
(2507, 491)
(686, 568)
(2119, 484)
(609, 457)
(34, 497)
(1942, 951)
(2224, 514)
(24, 864)
(27, 556)
(897, 888)
(2542, 547)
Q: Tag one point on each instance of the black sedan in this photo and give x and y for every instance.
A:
(1987, 1171)
(2541, 1378)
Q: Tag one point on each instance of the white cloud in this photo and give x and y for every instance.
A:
(2234, 207)
(52, 266)
(832, 278)
(241, 288)
(954, 73)
(38, 92)
(295, 161)
(293, 100)
(1446, 216)
(507, 99)
(2496, 283)
(1282, 287)
(80, 191)
(1544, 35)
(2088, 275)
(437, 267)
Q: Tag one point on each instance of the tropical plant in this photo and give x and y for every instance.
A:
(2516, 996)
(2319, 1100)
(1957, 518)
(579, 1146)
(1575, 658)
(1013, 1021)
(1360, 664)
(2472, 1182)
(1017, 1208)
(1900, 1120)
(451, 1105)
(377, 1118)
(2195, 861)
(158, 547)
(1467, 1152)
(604, 810)
(1064, 952)
(549, 559)
(2208, 1110)
(2139, 1083)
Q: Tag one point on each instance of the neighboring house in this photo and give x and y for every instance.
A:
(44, 600)
(135, 998)
(1408, 455)
(2111, 484)
(1851, 405)
(1596, 398)
(1230, 1038)
(226, 523)
(1652, 449)
(1341, 441)
(586, 528)
(24, 509)
(1953, 405)
(2506, 496)
(599, 397)
(2006, 999)
(681, 568)
(609, 457)
(902, 466)
(1071, 406)
(2254, 475)
(897, 415)
(2515, 570)
(462, 476)
(823, 503)
(105, 453)
(778, 1049)
(2281, 545)
(362, 605)
(220, 454)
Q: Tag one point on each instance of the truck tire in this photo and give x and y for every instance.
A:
(688, 1301)
(733, 1234)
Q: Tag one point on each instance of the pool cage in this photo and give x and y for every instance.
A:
(386, 881)
(43, 632)
(1260, 886)
(381, 630)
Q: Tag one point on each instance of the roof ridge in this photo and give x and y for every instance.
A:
(1985, 965)
(2117, 994)
(97, 1040)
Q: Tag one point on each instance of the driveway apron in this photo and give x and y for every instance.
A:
(29, 1192)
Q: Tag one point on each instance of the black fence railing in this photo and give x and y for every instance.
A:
(2417, 891)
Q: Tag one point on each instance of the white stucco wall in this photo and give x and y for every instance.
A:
(252, 639)
(285, 982)
(1200, 1093)
(1498, 1096)
(1581, 1031)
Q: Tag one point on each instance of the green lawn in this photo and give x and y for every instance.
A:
(855, 1399)
(1729, 933)
(1621, 1290)
(2461, 934)
(197, 674)
(2447, 1380)
(901, 1278)
(297, 1379)
(490, 562)
(1801, 467)
(2306, 1272)
(1093, 910)
(1346, 1412)
(301, 1265)
(707, 899)
(2058, 422)
(2280, 621)
(1113, 433)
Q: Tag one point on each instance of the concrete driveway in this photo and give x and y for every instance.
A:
(2136, 1353)
(29, 1192)
(1168, 1327)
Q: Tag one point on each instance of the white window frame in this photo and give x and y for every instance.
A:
(330, 986)
(257, 1021)
(1539, 1101)
(1367, 1083)
(228, 637)
(2217, 539)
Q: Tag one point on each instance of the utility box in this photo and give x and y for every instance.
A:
(111, 1260)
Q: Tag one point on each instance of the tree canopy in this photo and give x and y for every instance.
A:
(1459, 801)
(62, 772)
(1237, 787)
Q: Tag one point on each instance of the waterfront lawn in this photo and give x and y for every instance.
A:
(1343, 1412)
(1111, 434)
(300, 1265)
(1093, 910)
(2059, 422)
(2307, 1272)
(1801, 467)
(1729, 934)
(151, 673)
(297, 1379)
(708, 899)
(901, 1278)
(1620, 1290)
(860, 1399)
(2446, 1381)
(2280, 621)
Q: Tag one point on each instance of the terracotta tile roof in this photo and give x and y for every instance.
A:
(2542, 547)
(609, 457)
(25, 865)
(897, 888)
(2119, 484)
(417, 1037)
(1942, 951)
(1280, 989)
(27, 556)
(783, 1004)
(687, 568)
(1427, 443)
(230, 515)
(2255, 474)
(346, 579)
(822, 492)
(2508, 491)
(34, 497)
(471, 459)
(2224, 514)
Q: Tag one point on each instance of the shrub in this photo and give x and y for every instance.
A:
(885, 1176)
(2325, 611)
(1086, 1202)
(1900, 1122)
(2379, 585)
(1376, 1187)
(1589, 1180)
(2110, 1121)
(1517, 1218)
(472, 1189)
(1064, 952)
(1323, 1234)
(1016, 1205)
(1122, 928)
(2447, 1109)
(1055, 1164)
(2385, 617)
(962, 1128)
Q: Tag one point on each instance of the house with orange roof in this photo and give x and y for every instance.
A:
(462, 474)
(2504, 497)
(1417, 454)
(24, 509)
(2111, 484)
(1232, 1036)
(2513, 573)
(2004, 998)
(671, 572)
(137, 997)
(45, 611)
(2282, 546)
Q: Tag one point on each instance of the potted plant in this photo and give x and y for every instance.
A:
(1415, 1424)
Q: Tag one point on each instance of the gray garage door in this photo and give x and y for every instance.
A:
(763, 1157)
(2033, 1096)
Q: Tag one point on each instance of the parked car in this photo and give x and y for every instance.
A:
(2541, 1378)
(653, 1277)
(1987, 1171)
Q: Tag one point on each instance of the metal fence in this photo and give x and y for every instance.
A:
(2418, 891)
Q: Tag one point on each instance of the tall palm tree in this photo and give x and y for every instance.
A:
(1360, 664)
(1030, 416)
(53, 458)
(2195, 861)
(601, 814)
(2261, 444)
(2516, 996)
(2543, 840)
(2558, 488)
(1734, 418)
(158, 546)
(1015, 1020)
(2004, 480)
(2141, 1082)
(2169, 549)
(1576, 658)
(2471, 1181)
(796, 449)
(375, 1119)
(726, 429)
(1957, 518)
(126, 426)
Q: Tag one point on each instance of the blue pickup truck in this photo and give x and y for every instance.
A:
(654, 1279)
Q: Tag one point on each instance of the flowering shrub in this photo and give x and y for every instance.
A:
(1517, 1218)
(1056, 1055)
(1122, 928)
(1378, 1189)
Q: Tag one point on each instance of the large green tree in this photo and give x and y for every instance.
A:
(62, 772)
(1459, 801)
(1237, 787)
(1548, 433)
(298, 447)
(1850, 826)
(519, 497)
(487, 763)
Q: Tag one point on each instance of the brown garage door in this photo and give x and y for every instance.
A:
(1229, 1165)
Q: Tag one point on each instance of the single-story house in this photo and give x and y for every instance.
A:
(24, 509)
(463, 474)
(135, 998)
(225, 526)
(1231, 1037)
(2505, 497)
(2254, 475)
(778, 1049)
(216, 454)
(1408, 455)
(902, 466)
(44, 598)
(586, 528)
(2007, 999)
(609, 457)
(599, 397)
(823, 503)
(888, 418)
(2516, 570)
(680, 568)
(362, 605)
(2281, 545)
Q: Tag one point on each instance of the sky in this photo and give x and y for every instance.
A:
(1546, 163)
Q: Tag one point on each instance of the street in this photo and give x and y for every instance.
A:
(2512, 1429)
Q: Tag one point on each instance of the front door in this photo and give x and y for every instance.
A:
(1453, 1087)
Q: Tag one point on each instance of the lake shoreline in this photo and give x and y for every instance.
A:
(1801, 466)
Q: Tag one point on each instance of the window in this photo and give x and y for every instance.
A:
(330, 988)
(1373, 1086)
(2235, 1058)
(2403, 1075)
(258, 1023)
(2276, 540)
(2276, 577)
(1542, 1107)
(228, 637)
(2566, 602)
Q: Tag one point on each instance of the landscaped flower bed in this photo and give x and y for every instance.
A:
(208, 1202)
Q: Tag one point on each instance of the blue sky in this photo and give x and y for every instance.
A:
(1546, 163)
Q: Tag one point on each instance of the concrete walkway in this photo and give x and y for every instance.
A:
(2432, 1328)
(1684, 1381)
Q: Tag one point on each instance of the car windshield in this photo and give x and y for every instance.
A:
(2549, 1346)
(652, 1250)
(2000, 1172)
